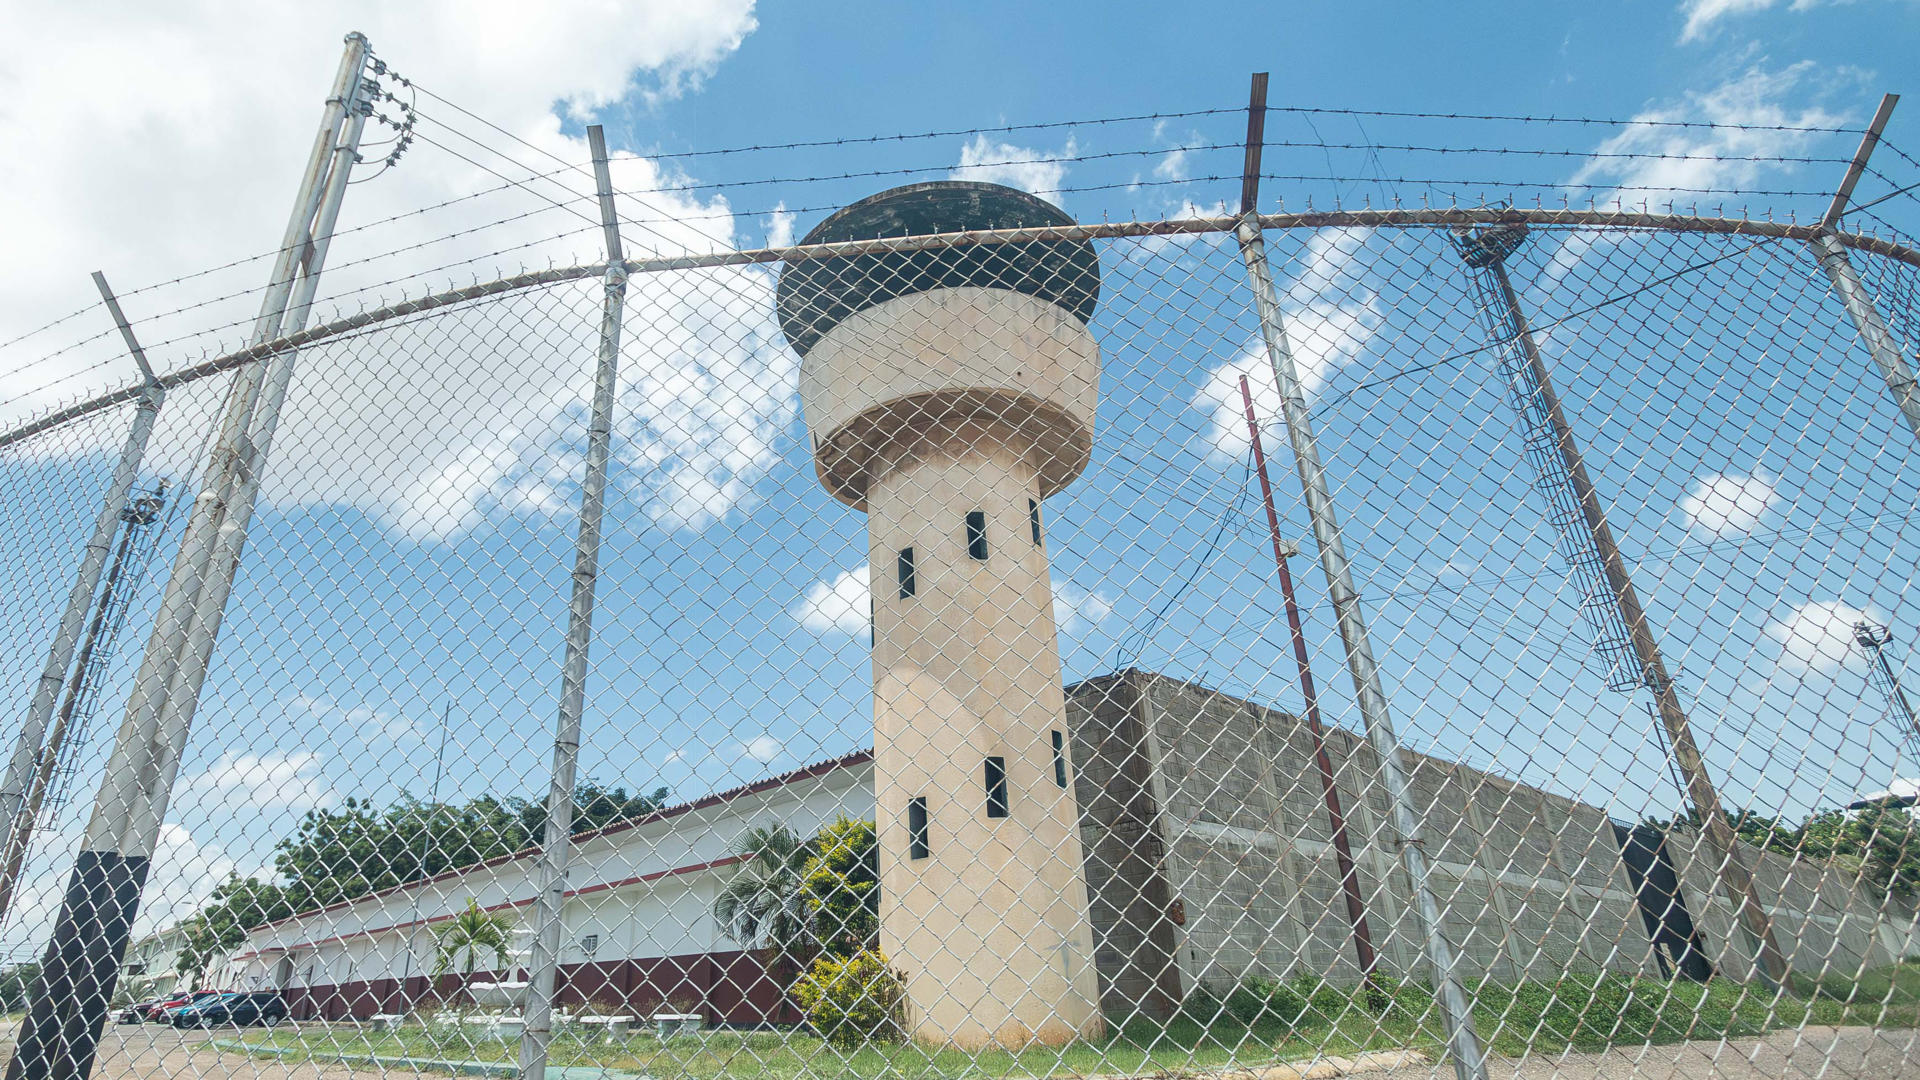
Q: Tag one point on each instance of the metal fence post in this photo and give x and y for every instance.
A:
(23, 765)
(68, 1008)
(1463, 1044)
(556, 839)
(1853, 295)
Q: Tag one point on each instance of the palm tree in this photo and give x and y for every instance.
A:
(764, 905)
(468, 936)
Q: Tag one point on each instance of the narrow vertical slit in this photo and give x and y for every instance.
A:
(1059, 759)
(1033, 518)
(996, 787)
(917, 846)
(977, 535)
(906, 573)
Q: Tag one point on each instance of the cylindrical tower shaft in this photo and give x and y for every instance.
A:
(948, 392)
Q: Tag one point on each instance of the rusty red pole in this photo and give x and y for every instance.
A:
(1343, 854)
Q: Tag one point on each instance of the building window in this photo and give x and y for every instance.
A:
(977, 535)
(906, 573)
(1059, 759)
(589, 943)
(917, 847)
(996, 787)
(1033, 518)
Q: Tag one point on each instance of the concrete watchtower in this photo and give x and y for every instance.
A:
(948, 391)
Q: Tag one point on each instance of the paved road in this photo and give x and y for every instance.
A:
(152, 1052)
(1816, 1053)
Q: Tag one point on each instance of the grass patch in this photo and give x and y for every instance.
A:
(1259, 1022)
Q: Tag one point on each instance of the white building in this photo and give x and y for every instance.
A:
(150, 969)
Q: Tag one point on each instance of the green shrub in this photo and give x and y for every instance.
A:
(842, 887)
(853, 1001)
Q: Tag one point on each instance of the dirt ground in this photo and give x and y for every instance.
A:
(151, 1052)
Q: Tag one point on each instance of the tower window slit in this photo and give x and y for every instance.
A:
(906, 573)
(1059, 759)
(1033, 518)
(917, 847)
(996, 787)
(977, 534)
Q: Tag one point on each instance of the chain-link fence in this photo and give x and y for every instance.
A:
(933, 703)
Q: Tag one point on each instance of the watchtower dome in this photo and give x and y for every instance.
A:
(948, 391)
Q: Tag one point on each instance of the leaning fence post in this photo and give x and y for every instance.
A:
(1463, 1044)
(24, 763)
(1853, 295)
(556, 840)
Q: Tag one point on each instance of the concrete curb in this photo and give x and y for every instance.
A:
(457, 1068)
(1326, 1068)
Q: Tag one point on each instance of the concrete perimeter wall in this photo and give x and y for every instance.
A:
(1225, 796)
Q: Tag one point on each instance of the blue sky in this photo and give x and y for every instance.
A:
(412, 560)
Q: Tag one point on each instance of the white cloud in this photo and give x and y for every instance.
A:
(1818, 636)
(1036, 171)
(1725, 504)
(288, 780)
(1750, 110)
(763, 748)
(1646, 163)
(840, 605)
(1076, 610)
(1701, 14)
(473, 412)
(780, 226)
(1330, 315)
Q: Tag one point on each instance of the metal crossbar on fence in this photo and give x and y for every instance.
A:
(862, 656)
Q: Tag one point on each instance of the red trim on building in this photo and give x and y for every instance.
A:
(822, 768)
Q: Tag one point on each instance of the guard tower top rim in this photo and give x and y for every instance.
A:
(858, 220)
(814, 296)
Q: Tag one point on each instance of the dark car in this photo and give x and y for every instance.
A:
(162, 1010)
(235, 1010)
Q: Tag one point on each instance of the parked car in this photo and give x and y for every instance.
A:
(137, 1012)
(163, 1009)
(235, 1010)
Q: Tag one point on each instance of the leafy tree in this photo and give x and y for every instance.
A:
(842, 882)
(15, 983)
(765, 904)
(237, 905)
(357, 848)
(459, 943)
(1881, 842)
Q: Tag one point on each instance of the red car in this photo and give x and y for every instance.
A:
(161, 1011)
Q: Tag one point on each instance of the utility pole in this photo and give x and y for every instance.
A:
(24, 763)
(556, 840)
(1487, 251)
(1875, 638)
(1456, 1014)
(81, 966)
(138, 516)
(1893, 366)
(1336, 819)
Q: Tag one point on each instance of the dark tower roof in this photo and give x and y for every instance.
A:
(816, 295)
